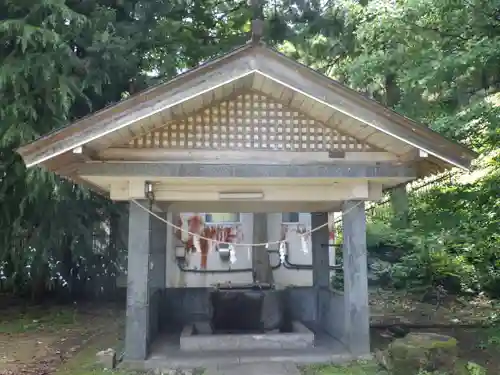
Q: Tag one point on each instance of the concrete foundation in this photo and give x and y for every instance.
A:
(300, 337)
(166, 354)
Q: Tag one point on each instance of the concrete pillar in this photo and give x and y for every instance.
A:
(357, 316)
(157, 271)
(261, 265)
(137, 321)
(145, 280)
(321, 267)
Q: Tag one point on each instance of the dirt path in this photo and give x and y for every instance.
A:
(38, 342)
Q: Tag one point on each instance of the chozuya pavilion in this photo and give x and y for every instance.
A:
(252, 148)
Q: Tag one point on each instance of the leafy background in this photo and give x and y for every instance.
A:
(435, 61)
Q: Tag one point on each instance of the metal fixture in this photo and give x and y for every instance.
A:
(240, 195)
(224, 251)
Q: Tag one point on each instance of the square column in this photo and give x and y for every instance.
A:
(157, 271)
(321, 266)
(357, 314)
(145, 280)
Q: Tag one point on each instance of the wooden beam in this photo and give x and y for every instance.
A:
(249, 171)
(238, 157)
(178, 192)
(242, 206)
(83, 153)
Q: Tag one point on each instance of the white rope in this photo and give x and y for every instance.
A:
(196, 235)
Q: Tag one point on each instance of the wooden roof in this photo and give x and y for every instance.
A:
(257, 67)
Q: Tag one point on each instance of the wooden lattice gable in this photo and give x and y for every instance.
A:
(249, 120)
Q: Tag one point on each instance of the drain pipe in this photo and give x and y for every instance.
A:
(292, 266)
(182, 268)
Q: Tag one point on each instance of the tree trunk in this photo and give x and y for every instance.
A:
(400, 207)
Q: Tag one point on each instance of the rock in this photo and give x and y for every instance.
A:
(421, 352)
(203, 328)
(381, 357)
(107, 358)
(173, 372)
(398, 331)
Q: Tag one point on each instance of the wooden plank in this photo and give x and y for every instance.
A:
(306, 106)
(208, 99)
(343, 170)
(286, 96)
(321, 112)
(228, 90)
(258, 82)
(269, 207)
(256, 157)
(353, 127)
(272, 88)
(218, 94)
(134, 189)
(297, 101)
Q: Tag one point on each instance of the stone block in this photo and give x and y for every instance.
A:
(107, 358)
(300, 338)
(203, 328)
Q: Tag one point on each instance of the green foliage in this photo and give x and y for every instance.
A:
(475, 369)
(61, 60)
(453, 239)
(434, 61)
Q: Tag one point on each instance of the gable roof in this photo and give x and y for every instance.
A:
(241, 67)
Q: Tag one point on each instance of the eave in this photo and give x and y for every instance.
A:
(247, 65)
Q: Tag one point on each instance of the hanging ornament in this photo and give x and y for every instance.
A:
(196, 243)
(304, 244)
(232, 255)
(282, 251)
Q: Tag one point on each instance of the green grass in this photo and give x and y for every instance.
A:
(84, 362)
(354, 368)
(37, 319)
(490, 338)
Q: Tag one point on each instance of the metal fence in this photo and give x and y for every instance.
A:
(383, 210)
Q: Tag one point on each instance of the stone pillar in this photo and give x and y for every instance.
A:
(137, 321)
(145, 280)
(157, 271)
(321, 266)
(357, 315)
(261, 265)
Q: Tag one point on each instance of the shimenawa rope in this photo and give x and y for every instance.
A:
(232, 243)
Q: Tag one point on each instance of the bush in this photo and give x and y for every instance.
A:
(453, 240)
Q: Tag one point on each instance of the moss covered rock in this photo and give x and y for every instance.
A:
(421, 352)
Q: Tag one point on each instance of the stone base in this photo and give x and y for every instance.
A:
(300, 337)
